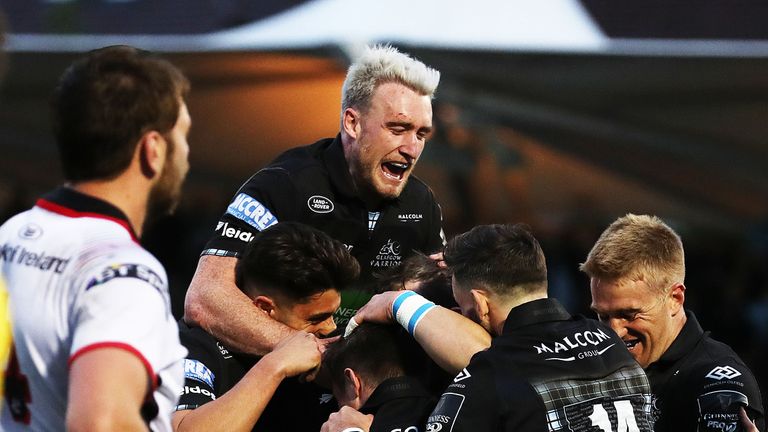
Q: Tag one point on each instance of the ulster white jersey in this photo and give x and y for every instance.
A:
(78, 281)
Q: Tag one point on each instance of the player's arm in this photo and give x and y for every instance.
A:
(447, 337)
(240, 408)
(216, 304)
(107, 387)
(348, 419)
(727, 388)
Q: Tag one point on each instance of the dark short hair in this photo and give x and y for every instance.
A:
(434, 281)
(376, 352)
(105, 102)
(501, 257)
(294, 261)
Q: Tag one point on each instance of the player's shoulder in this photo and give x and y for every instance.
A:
(417, 190)
(714, 365)
(300, 160)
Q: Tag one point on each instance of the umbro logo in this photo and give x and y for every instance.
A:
(464, 374)
(723, 372)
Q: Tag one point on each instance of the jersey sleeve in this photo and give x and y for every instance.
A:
(202, 372)
(124, 304)
(264, 200)
(727, 385)
(469, 403)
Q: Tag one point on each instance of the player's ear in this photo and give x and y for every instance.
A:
(353, 387)
(266, 304)
(677, 295)
(350, 122)
(151, 151)
(480, 300)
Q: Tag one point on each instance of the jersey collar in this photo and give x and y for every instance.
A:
(534, 312)
(71, 203)
(683, 344)
(393, 388)
(338, 169)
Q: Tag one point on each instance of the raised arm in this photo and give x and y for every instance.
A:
(447, 337)
(216, 304)
(240, 408)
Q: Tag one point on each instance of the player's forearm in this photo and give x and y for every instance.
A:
(450, 339)
(238, 409)
(217, 305)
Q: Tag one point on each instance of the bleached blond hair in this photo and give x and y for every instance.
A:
(381, 64)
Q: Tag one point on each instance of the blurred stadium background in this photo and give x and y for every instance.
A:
(562, 114)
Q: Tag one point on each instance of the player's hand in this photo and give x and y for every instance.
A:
(347, 417)
(377, 310)
(746, 423)
(440, 259)
(297, 353)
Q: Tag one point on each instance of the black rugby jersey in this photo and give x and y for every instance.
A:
(548, 371)
(211, 369)
(399, 404)
(700, 383)
(312, 185)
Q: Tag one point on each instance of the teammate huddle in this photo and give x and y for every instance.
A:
(294, 257)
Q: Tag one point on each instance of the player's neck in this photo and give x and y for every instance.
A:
(124, 192)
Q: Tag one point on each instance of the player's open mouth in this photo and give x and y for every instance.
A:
(395, 170)
(631, 343)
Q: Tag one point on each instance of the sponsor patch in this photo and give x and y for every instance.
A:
(251, 211)
(719, 410)
(16, 254)
(134, 271)
(197, 371)
(229, 232)
(320, 204)
(410, 217)
(445, 413)
(585, 342)
(723, 372)
(30, 231)
(197, 390)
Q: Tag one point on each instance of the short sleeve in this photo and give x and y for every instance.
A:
(727, 386)
(124, 304)
(202, 372)
(264, 200)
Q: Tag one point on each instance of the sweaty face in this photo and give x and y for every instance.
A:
(640, 315)
(390, 137)
(315, 315)
(166, 193)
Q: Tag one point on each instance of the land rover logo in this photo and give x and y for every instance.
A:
(320, 204)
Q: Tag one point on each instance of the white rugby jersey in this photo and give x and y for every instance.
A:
(78, 281)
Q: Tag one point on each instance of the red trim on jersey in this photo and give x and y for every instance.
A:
(66, 211)
(118, 345)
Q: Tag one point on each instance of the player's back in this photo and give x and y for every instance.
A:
(52, 260)
(548, 371)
